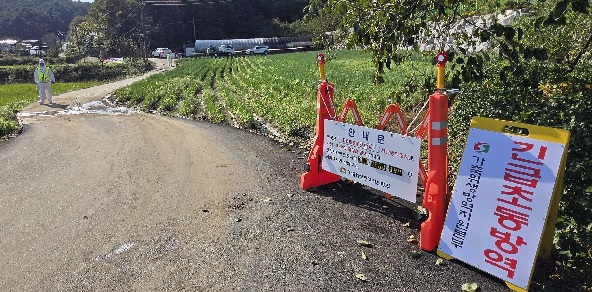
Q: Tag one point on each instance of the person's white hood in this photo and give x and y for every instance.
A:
(41, 63)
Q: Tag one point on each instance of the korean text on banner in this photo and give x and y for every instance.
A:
(382, 160)
(500, 203)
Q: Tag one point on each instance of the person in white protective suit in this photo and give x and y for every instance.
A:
(44, 78)
(170, 58)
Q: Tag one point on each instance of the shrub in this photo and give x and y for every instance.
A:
(79, 72)
(8, 121)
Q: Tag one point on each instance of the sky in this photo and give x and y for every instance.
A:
(87, 0)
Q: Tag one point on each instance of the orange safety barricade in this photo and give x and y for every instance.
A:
(421, 133)
(315, 176)
(434, 124)
(423, 127)
(350, 104)
(390, 111)
(436, 193)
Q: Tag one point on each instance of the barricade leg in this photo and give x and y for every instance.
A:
(315, 175)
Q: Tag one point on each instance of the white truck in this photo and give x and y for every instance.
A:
(223, 50)
(160, 52)
(189, 52)
(226, 50)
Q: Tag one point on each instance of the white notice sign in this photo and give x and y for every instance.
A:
(379, 159)
(500, 203)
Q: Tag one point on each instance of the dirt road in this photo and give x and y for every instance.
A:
(138, 202)
(96, 187)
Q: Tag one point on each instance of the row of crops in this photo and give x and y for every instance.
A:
(277, 89)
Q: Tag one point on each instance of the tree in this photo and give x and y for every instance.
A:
(563, 35)
(53, 44)
(75, 37)
(34, 18)
(114, 24)
(384, 27)
(123, 25)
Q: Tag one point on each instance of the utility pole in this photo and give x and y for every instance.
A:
(194, 35)
(143, 33)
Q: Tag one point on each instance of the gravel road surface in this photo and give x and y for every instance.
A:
(124, 201)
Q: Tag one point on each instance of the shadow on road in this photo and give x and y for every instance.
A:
(367, 198)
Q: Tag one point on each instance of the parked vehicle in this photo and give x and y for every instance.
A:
(212, 51)
(189, 52)
(227, 50)
(37, 51)
(160, 52)
(258, 50)
(223, 50)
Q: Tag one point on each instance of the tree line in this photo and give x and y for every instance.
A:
(33, 19)
(128, 27)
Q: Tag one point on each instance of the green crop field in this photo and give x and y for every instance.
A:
(278, 89)
(26, 93)
(15, 96)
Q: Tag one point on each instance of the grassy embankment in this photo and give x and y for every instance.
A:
(13, 97)
(27, 93)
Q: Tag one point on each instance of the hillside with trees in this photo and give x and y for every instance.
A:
(34, 19)
(120, 27)
(125, 27)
